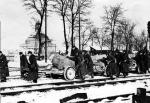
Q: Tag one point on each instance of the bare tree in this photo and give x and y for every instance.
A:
(37, 7)
(140, 41)
(111, 18)
(60, 7)
(103, 36)
(76, 7)
(127, 29)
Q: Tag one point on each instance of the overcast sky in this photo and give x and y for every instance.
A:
(16, 26)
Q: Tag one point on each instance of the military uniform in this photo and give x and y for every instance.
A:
(23, 64)
(89, 63)
(3, 68)
(33, 66)
(112, 68)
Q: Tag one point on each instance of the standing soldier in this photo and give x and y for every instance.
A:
(80, 65)
(23, 63)
(89, 62)
(33, 66)
(3, 67)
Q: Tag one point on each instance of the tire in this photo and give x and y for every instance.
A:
(69, 73)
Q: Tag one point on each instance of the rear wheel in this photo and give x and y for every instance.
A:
(69, 73)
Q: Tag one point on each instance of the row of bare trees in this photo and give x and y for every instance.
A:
(118, 30)
(115, 31)
(72, 12)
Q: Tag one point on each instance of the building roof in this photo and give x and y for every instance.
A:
(42, 36)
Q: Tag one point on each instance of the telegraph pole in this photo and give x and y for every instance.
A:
(79, 26)
(0, 35)
(148, 36)
(45, 30)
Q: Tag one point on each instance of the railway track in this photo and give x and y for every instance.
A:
(11, 69)
(19, 76)
(14, 90)
(109, 98)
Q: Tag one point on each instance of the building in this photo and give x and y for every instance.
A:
(32, 44)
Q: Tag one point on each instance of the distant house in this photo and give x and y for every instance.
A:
(32, 44)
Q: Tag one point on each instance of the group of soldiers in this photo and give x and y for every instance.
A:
(28, 67)
(118, 63)
(142, 59)
(83, 63)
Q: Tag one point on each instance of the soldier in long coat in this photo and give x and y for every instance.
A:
(3, 67)
(122, 62)
(81, 66)
(33, 66)
(112, 68)
(23, 64)
(89, 63)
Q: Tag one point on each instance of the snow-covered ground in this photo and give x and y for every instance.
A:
(54, 96)
(16, 82)
(93, 92)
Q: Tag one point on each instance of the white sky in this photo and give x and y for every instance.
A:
(16, 27)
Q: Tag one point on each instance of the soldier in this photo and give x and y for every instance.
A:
(33, 66)
(23, 64)
(112, 68)
(80, 65)
(89, 62)
(3, 67)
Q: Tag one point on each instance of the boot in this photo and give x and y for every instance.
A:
(35, 81)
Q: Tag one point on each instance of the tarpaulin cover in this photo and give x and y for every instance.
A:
(62, 62)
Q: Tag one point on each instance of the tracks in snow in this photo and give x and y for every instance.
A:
(14, 90)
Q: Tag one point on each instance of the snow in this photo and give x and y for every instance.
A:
(93, 92)
(54, 96)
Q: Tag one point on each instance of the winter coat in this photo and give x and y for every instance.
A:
(33, 66)
(89, 62)
(3, 66)
(23, 61)
(24, 65)
(80, 65)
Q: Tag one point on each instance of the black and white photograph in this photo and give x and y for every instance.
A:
(74, 51)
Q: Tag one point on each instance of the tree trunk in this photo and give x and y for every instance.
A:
(112, 41)
(39, 34)
(79, 28)
(72, 31)
(65, 36)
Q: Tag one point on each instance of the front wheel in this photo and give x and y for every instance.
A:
(69, 73)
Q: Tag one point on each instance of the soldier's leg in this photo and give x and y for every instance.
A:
(3, 77)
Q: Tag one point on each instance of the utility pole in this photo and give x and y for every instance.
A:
(46, 31)
(148, 36)
(0, 35)
(79, 26)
